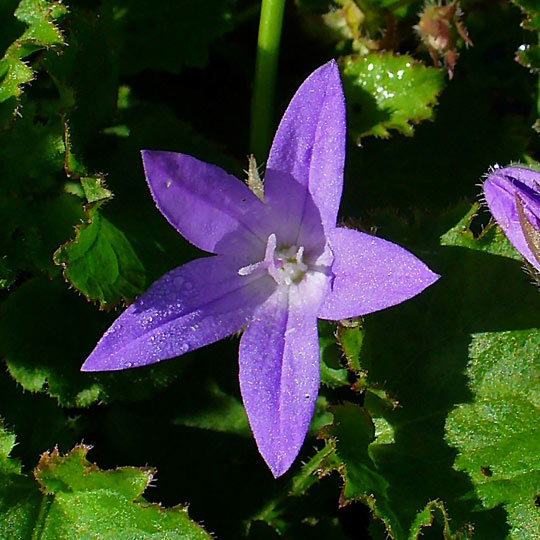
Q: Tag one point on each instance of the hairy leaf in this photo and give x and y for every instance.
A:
(101, 263)
(75, 499)
(497, 434)
(40, 16)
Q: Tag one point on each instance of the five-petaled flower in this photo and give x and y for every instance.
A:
(277, 266)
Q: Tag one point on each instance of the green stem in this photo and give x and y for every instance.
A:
(262, 104)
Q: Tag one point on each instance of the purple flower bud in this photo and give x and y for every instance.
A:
(513, 197)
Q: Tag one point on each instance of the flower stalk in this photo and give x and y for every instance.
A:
(262, 103)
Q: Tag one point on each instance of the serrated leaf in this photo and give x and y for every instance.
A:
(36, 215)
(40, 16)
(497, 433)
(531, 10)
(388, 92)
(82, 501)
(351, 433)
(491, 240)
(47, 357)
(7, 442)
(529, 56)
(100, 261)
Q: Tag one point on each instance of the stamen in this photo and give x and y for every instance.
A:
(285, 265)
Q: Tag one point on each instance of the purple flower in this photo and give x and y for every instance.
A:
(513, 197)
(277, 266)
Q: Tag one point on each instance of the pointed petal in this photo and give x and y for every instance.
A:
(309, 146)
(500, 189)
(194, 305)
(212, 209)
(370, 274)
(279, 371)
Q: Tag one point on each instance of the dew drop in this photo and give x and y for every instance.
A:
(168, 183)
(178, 282)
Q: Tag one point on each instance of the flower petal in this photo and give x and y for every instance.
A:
(191, 306)
(500, 189)
(212, 209)
(309, 146)
(279, 371)
(370, 274)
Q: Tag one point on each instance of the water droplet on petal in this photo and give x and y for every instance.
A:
(178, 282)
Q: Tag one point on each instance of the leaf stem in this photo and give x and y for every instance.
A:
(262, 104)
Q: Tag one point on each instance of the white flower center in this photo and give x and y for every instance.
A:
(285, 265)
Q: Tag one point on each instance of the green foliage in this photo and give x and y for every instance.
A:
(490, 240)
(47, 357)
(100, 261)
(497, 433)
(75, 499)
(388, 92)
(333, 374)
(41, 17)
(426, 418)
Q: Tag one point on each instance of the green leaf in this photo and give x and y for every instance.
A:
(78, 500)
(40, 16)
(528, 54)
(36, 215)
(490, 240)
(388, 92)
(19, 495)
(100, 261)
(47, 357)
(7, 442)
(350, 337)
(351, 434)
(333, 374)
(213, 409)
(531, 11)
(497, 434)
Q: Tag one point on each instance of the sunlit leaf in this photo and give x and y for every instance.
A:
(83, 501)
(387, 92)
